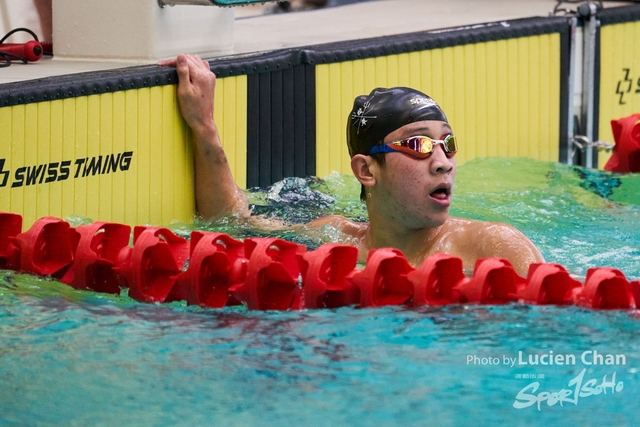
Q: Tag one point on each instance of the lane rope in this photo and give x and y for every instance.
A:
(214, 270)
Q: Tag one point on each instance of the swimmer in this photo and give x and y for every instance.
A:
(402, 152)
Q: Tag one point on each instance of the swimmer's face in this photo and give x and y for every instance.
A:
(417, 192)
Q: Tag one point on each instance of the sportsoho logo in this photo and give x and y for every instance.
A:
(581, 386)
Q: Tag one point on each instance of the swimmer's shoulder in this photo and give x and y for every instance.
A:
(347, 226)
(481, 230)
(493, 240)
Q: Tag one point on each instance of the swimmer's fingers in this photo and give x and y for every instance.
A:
(196, 89)
(197, 71)
(172, 62)
(194, 65)
(168, 62)
(184, 78)
(197, 63)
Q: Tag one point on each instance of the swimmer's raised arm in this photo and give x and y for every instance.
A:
(217, 194)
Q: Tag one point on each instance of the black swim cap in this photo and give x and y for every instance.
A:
(375, 116)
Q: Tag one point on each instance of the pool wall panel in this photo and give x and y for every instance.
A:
(619, 71)
(230, 112)
(281, 135)
(75, 160)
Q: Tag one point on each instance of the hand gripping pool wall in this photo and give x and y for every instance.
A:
(273, 274)
(617, 71)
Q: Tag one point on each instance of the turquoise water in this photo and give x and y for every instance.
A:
(79, 358)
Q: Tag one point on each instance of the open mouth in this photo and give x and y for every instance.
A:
(441, 193)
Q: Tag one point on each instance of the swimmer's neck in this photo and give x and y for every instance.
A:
(415, 244)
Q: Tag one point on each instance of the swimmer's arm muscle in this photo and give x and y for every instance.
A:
(216, 192)
(341, 223)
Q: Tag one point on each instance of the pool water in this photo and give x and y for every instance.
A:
(79, 358)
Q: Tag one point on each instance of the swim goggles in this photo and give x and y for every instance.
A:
(420, 147)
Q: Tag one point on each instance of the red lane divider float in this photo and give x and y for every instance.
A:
(216, 265)
(150, 269)
(46, 249)
(605, 288)
(273, 274)
(325, 272)
(97, 256)
(10, 227)
(384, 279)
(549, 284)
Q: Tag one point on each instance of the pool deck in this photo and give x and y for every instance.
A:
(255, 31)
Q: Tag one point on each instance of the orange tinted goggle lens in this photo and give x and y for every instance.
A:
(423, 146)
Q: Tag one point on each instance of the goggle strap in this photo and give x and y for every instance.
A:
(376, 149)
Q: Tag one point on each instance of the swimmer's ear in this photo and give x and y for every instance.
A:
(363, 167)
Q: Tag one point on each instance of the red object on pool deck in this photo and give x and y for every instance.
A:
(548, 284)
(384, 279)
(97, 255)
(272, 275)
(626, 151)
(324, 273)
(46, 249)
(151, 267)
(605, 288)
(10, 227)
(216, 264)
(494, 281)
(437, 280)
(31, 50)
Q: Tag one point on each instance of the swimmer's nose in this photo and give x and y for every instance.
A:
(440, 163)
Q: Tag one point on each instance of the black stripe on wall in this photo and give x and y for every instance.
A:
(596, 97)
(619, 15)
(281, 131)
(565, 64)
